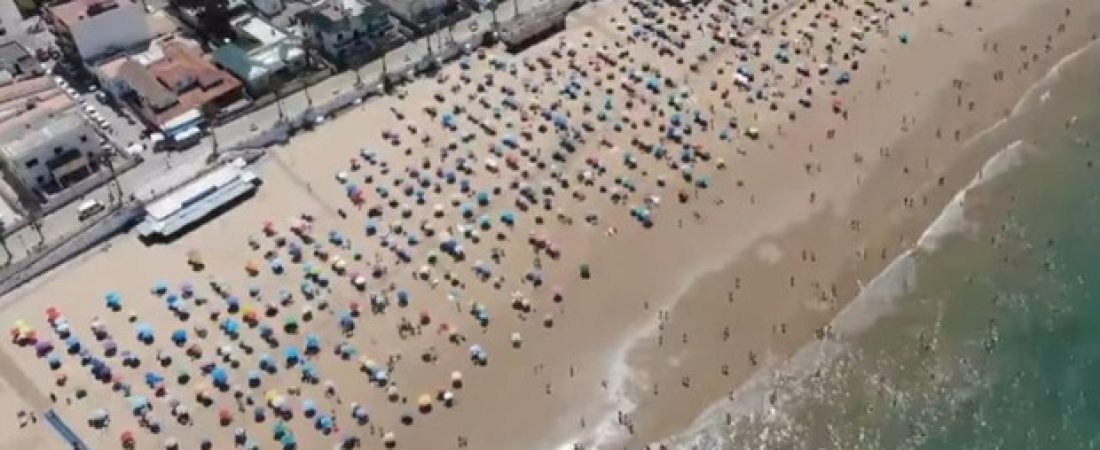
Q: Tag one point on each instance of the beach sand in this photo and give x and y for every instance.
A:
(765, 236)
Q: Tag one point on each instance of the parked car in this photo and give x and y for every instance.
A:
(89, 208)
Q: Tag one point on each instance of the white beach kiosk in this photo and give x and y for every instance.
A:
(171, 214)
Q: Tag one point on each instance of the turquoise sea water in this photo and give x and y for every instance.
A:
(991, 339)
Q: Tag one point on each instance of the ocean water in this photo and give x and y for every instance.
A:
(987, 336)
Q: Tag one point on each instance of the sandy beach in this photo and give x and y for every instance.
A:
(597, 239)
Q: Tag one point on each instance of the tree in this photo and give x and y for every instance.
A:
(214, 15)
(35, 222)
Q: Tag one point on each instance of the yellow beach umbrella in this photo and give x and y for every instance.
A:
(424, 401)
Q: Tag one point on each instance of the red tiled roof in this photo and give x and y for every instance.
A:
(178, 82)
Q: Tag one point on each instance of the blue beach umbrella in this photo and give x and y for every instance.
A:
(114, 300)
(325, 423)
(144, 332)
(220, 377)
(292, 355)
(313, 344)
(254, 378)
(153, 379)
(73, 344)
(179, 337)
(231, 327)
(137, 403)
(266, 363)
(232, 304)
(310, 372)
(288, 440)
(309, 407)
(347, 322)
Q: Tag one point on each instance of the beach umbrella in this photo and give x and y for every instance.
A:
(326, 423)
(313, 344)
(389, 439)
(292, 355)
(279, 429)
(309, 407)
(288, 441)
(127, 438)
(53, 361)
(266, 363)
(347, 322)
(231, 327)
(160, 288)
(424, 402)
(233, 304)
(152, 379)
(73, 344)
(220, 376)
(380, 376)
(359, 413)
(254, 379)
(477, 353)
(179, 337)
(290, 324)
(309, 372)
(137, 404)
(144, 333)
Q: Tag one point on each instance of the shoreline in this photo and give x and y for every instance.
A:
(956, 172)
(762, 398)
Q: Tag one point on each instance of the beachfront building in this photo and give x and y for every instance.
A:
(171, 86)
(189, 205)
(426, 15)
(262, 56)
(268, 7)
(347, 32)
(51, 155)
(90, 29)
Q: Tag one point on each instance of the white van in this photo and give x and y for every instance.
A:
(89, 208)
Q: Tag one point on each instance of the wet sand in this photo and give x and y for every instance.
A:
(780, 222)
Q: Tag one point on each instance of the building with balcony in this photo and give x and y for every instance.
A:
(347, 32)
(51, 154)
(171, 86)
(262, 55)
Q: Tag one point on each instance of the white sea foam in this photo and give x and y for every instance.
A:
(952, 219)
(757, 398)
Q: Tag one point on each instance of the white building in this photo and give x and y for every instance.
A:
(88, 29)
(52, 156)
